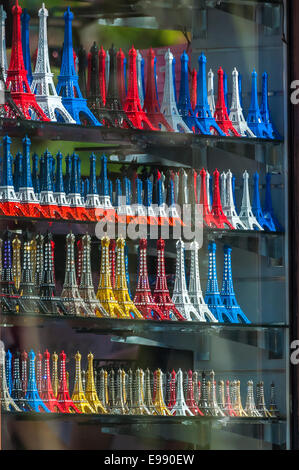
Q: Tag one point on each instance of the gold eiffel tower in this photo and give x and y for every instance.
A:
(16, 262)
(237, 402)
(121, 287)
(90, 390)
(159, 402)
(105, 292)
(55, 381)
(78, 396)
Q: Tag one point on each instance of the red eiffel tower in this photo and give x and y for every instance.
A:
(132, 106)
(112, 261)
(217, 211)
(143, 297)
(221, 115)
(8, 109)
(172, 391)
(47, 394)
(63, 396)
(193, 96)
(120, 58)
(190, 400)
(151, 105)
(161, 293)
(102, 75)
(16, 81)
(206, 213)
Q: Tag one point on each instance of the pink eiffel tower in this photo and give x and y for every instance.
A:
(143, 299)
(161, 293)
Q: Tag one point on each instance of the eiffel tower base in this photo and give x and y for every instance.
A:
(34, 401)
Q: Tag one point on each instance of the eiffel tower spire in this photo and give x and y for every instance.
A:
(236, 113)
(227, 292)
(17, 81)
(121, 289)
(193, 88)
(254, 118)
(169, 106)
(143, 297)
(42, 82)
(195, 291)
(151, 105)
(68, 86)
(211, 97)
(78, 397)
(212, 297)
(202, 110)
(161, 293)
(180, 295)
(246, 214)
(3, 56)
(90, 389)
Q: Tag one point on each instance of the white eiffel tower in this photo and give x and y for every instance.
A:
(180, 295)
(6, 401)
(223, 189)
(246, 214)
(236, 113)
(228, 205)
(195, 291)
(42, 84)
(180, 408)
(211, 97)
(168, 106)
(3, 56)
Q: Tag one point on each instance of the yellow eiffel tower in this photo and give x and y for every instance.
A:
(105, 292)
(78, 396)
(121, 288)
(159, 402)
(90, 390)
(55, 381)
(16, 262)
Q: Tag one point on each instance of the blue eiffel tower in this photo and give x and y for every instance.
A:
(68, 81)
(268, 208)
(32, 396)
(8, 370)
(265, 112)
(202, 110)
(184, 104)
(228, 296)
(254, 118)
(257, 208)
(212, 297)
(25, 19)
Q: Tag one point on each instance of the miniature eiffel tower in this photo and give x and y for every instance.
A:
(265, 112)
(180, 295)
(171, 390)
(32, 396)
(9, 299)
(268, 208)
(39, 262)
(227, 294)
(261, 404)
(16, 262)
(202, 110)
(273, 406)
(121, 289)
(254, 118)
(3, 56)
(132, 106)
(221, 396)
(47, 394)
(17, 393)
(90, 389)
(17, 81)
(236, 399)
(102, 386)
(211, 97)
(42, 83)
(74, 198)
(10, 204)
(140, 77)
(148, 401)
(229, 207)
(103, 78)
(70, 295)
(195, 291)
(180, 408)
(159, 403)
(212, 297)
(236, 113)
(86, 289)
(161, 294)
(118, 406)
(63, 396)
(59, 193)
(217, 210)
(169, 107)
(203, 403)
(68, 86)
(48, 203)
(139, 408)
(250, 408)
(213, 404)
(105, 292)
(257, 208)
(151, 105)
(143, 299)
(25, 20)
(208, 217)
(27, 197)
(184, 104)
(7, 403)
(54, 378)
(78, 397)
(246, 215)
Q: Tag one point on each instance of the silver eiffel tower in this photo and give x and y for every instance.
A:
(213, 405)
(7, 402)
(180, 408)
(250, 408)
(148, 400)
(139, 407)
